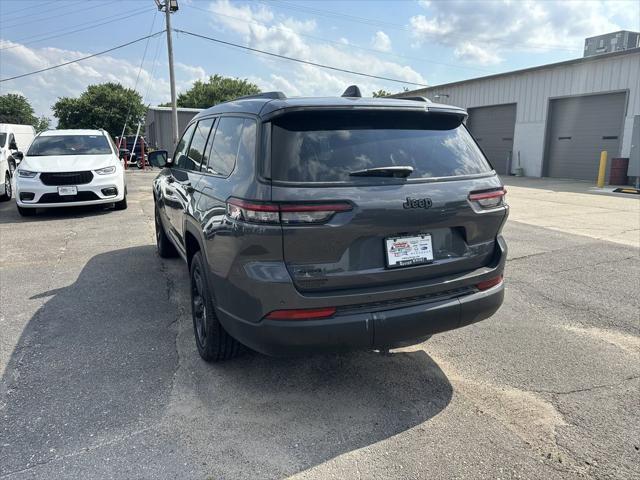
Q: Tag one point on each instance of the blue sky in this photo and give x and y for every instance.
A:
(423, 42)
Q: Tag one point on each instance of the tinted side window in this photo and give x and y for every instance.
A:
(180, 156)
(247, 147)
(196, 156)
(224, 149)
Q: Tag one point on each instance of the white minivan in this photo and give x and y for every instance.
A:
(13, 138)
(70, 168)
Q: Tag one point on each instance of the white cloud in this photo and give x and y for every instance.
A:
(381, 41)
(261, 28)
(470, 53)
(43, 89)
(481, 31)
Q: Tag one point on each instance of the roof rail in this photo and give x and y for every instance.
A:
(271, 95)
(415, 99)
(352, 91)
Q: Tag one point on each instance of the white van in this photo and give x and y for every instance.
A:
(13, 138)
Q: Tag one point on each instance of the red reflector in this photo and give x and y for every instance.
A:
(320, 207)
(256, 207)
(485, 195)
(302, 314)
(487, 284)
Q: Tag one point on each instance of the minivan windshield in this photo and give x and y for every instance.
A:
(332, 146)
(69, 145)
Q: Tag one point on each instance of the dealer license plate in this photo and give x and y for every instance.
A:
(407, 251)
(62, 191)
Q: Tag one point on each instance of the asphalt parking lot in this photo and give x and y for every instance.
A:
(101, 377)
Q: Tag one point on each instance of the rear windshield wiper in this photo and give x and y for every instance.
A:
(392, 171)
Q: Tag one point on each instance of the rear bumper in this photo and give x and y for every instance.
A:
(365, 330)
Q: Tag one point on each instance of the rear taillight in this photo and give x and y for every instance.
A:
(302, 314)
(284, 213)
(487, 284)
(487, 200)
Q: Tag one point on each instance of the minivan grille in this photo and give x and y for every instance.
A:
(80, 197)
(66, 178)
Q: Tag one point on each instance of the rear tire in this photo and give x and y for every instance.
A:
(166, 249)
(122, 204)
(213, 342)
(7, 188)
(27, 212)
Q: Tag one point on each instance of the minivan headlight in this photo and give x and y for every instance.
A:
(26, 173)
(106, 170)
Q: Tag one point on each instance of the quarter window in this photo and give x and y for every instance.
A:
(197, 156)
(226, 144)
(180, 156)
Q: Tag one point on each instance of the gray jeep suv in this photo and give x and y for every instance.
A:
(331, 223)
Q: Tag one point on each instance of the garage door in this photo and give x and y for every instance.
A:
(492, 127)
(579, 129)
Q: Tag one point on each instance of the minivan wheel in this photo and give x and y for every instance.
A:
(213, 342)
(7, 188)
(164, 245)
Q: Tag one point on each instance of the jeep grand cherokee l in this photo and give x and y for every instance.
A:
(331, 223)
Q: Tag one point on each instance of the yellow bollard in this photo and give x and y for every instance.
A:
(602, 172)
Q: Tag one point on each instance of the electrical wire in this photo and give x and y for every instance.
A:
(49, 17)
(117, 47)
(379, 23)
(339, 44)
(135, 85)
(115, 18)
(298, 60)
(30, 7)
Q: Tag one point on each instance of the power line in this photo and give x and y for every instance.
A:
(49, 17)
(115, 18)
(306, 62)
(13, 12)
(373, 22)
(82, 58)
(339, 44)
(28, 15)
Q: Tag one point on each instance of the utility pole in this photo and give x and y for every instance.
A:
(171, 6)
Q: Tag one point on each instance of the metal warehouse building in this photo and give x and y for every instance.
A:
(552, 120)
(158, 125)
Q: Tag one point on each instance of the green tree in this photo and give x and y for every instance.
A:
(43, 123)
(107, 105)
(216, 90)
(15, 108)
(381, 93)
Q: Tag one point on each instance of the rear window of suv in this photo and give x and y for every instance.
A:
(327, 146)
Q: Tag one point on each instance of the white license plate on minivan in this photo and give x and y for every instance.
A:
(407, 251)
(62, 191)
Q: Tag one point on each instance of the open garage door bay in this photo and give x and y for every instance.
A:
(579, 128)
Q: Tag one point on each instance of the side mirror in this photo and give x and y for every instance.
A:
(159, 158)
(17, 156)
(12, 145)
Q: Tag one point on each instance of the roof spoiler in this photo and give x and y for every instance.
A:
(415, 99)
(270, 95)
(352, 91)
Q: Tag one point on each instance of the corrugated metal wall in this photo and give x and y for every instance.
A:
(531, 90)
